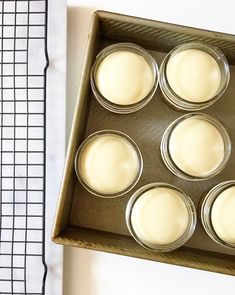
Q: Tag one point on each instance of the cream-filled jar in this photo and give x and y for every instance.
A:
(124, 77)
(193, 76)
(217, 213)
(196, 146)
(108, 163)
(160, 217)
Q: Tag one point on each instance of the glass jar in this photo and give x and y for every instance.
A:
(105, 101)
(212, 222)
(181, 103)
(170, 161)
(101, 156)
(173, 222)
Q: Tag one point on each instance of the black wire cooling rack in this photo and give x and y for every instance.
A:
(23, 67)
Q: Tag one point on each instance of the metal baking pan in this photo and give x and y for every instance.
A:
(86, 221)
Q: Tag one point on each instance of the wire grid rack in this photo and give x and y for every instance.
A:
(23, 67)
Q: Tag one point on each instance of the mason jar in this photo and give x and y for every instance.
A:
(193, 76)
(160, 217)
(195, 147)
(108, 163)
(124, 78)
(217, 209)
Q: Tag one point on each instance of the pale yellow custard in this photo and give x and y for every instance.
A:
(124, 77)
(194, 75)
(223, 215)
(108, 164)
(196, 146)
(159, 216)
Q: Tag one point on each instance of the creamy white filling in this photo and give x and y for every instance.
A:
(223, 215)
(196, 147)
(109, 164)
(194, 75)
(159, 216)
(124, 77)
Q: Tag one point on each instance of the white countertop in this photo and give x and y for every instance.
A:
(92, 273)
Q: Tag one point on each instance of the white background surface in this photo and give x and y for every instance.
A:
(55, 102)
(55, 143)
(93, 273)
